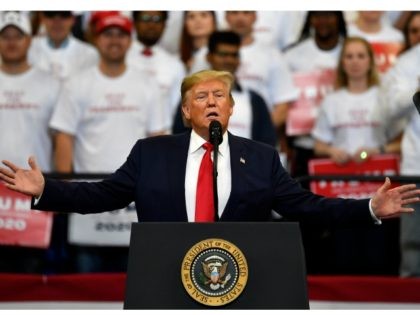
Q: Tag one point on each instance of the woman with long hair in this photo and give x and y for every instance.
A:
(197, 28)
(349, 126)
(411, 31)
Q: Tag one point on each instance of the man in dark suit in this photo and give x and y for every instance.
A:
(160, 175)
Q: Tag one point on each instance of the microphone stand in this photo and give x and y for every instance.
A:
(215, 193)
(215, 136)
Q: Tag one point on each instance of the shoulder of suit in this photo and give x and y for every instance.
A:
(164, 139)
(251, 144)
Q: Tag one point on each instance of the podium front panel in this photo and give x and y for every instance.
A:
(274, 254)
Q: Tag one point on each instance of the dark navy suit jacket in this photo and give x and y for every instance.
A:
(154, 173)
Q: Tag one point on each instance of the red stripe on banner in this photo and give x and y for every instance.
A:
(73, 287)
(380, 164)
(111, 287)
(364, 289)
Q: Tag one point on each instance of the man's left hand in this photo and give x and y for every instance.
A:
(390, 203)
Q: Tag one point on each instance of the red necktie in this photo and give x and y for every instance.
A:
(204, 202)
(147, 51)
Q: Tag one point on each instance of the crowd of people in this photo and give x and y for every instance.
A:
(77, 89)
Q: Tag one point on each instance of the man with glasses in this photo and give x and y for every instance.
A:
(146, 54)
(59, 52)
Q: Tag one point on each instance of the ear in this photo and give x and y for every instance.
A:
(254, 17)
(186, 111)
(73, 20)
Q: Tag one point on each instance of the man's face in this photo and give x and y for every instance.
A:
(58, 25)
(112, 44)
(371, 16)
(225, 58)
(149, 26)
(208, 101)
(241, 22)
(14, 45)
(325, 24)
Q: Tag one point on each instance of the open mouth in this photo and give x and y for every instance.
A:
(212, 115)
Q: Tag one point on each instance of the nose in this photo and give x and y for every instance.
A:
(211, 101)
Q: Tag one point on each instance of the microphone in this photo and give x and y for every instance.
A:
(215, 138)
(416, 100)
(215, 133)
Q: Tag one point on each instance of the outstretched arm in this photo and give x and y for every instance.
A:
(28, 181)
(390, 203)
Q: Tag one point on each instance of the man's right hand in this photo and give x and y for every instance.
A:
(30, 182)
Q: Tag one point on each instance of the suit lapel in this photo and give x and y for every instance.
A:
(237, 164)
(178, 162)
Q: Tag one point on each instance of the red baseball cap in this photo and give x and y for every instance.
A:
(98, 15)
(116, 20)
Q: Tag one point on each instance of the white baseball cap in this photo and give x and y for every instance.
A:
(17, 19)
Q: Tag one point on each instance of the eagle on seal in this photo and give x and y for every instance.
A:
(215, 272)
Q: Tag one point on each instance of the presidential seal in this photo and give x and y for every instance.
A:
(214, 272)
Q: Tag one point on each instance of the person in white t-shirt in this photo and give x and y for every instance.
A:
(318, 48)
(370, 26)
(27, 99)
(100, 115)
(27, 95)
(403, 82)
(105, 109)
(319, 44)
(263, 68)
(352, 127)
(349, 126)
(147, 54)
(59, 52)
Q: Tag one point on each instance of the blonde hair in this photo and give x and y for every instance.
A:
(373, 76)
(204, 76)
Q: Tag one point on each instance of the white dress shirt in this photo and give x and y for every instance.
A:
(224, 178)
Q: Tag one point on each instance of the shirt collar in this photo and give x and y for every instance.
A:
(196, 142)
(64, 44)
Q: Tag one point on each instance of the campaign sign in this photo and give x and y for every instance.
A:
(379, 165)
(21, 226)
(385, 54)
(112, 228)
(313, 86)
